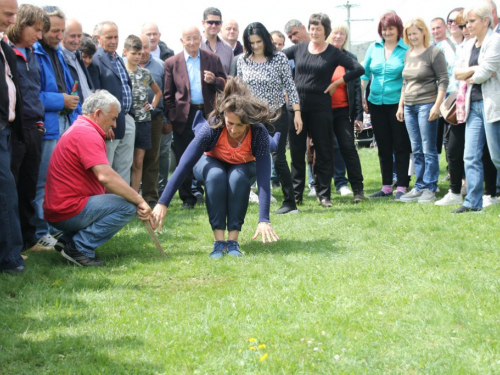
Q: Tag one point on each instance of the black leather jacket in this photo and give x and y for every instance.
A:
(354, 95)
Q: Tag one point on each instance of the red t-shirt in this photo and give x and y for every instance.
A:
(70, 179)
(339, 97)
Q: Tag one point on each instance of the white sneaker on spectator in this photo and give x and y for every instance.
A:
(427, 196)
(450, 199)
(272, 199)
(488, 200)
(254, 198)
(47, 241)
(412, 196)
(344, 190)
(312, 193)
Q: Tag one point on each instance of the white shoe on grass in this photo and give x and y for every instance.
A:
(344, 190)
(450, 199)
(488, 200)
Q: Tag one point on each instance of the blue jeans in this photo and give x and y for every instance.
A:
(48, 146)
(101, 218)
(227, 187)
(475, 137)
(423, 135)
(11, 240)
(492, 130)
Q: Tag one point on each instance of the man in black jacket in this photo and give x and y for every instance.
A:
(158, 48)
(11, 241)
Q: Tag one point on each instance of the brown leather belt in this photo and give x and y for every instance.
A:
(198, 106)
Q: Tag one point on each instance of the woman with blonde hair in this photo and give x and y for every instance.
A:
(425, 81)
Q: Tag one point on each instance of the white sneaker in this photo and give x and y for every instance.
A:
(272, 199)
(450, 199)
(344, 190)
(47, 241)
(488, 200)
(427, 196)
(412, 196)
(254, 198)
(312, 193)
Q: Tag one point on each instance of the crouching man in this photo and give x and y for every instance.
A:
(78, 177)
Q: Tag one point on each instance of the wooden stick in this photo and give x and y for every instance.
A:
(152, 234)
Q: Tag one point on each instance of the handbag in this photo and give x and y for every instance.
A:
(448, 109)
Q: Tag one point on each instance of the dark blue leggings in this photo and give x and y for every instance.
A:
(227, 187)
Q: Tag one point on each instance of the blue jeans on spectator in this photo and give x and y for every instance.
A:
(48, 146)
(165, 149)
(423, 134)
(492, 131)
(475, 138)
(339, 168)
(226, 190)
(101, 218)
(11, 240)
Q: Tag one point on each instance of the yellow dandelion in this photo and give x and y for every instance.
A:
(263, 358)
(253, 348)
(262, 346)
(252, 339)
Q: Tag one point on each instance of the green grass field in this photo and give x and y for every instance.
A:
(379, 287)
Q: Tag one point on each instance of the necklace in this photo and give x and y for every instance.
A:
(241, 139)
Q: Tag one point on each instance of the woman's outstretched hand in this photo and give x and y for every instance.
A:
(159, 213)
(267, 232)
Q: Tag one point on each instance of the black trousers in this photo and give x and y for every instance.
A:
(319, 126)
(344, 131)
(25, 165)
(279, 158)
(392, 138)
(455, 154)
(181, 142)
(455, 151)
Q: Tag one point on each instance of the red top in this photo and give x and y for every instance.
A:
(70, 179)
(233, 155)
(339, 97)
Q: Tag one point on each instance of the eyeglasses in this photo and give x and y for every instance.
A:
(461, 27)
(211, 22)
(451, 22)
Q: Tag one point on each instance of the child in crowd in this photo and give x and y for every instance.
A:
(141, 81)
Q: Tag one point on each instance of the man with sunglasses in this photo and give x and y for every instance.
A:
(212, 23)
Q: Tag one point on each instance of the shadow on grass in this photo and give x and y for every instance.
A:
(287, 247)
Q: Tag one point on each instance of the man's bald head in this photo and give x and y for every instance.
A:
(146, 49)
(191, 40)
(72, 35)
(152, 31)
(230, 31)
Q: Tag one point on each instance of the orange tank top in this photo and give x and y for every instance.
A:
(233, 155)
(339, 97)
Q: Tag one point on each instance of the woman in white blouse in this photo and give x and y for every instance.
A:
(269, 76)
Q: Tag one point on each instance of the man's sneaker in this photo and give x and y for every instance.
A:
(312, 192)
(233, 249)
(359, 196)
(412, 196)
(399, 194)
(344, 190)
(380, 194)
(61, 243)
(71, 253)
(462, 209)
(325, 203)
(450, 199)
(488, 200)
(283, 210)
(47, 241)
(219, 249)
(254, 198)
(427, 196)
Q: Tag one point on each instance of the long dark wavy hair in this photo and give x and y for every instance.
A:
(256, 28)
(238, 98)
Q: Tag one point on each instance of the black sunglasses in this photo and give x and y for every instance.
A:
(461, 27)
(211, 22)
